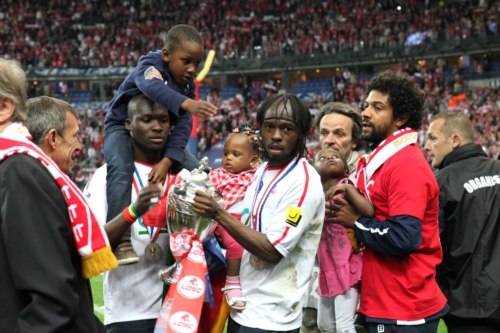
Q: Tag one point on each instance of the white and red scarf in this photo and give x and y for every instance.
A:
(181, 309)
(90, 238)
(370, 163)
(232, 186)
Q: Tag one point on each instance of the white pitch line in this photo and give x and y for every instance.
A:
(99, 308)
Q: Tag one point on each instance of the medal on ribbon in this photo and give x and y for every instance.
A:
(153, 250)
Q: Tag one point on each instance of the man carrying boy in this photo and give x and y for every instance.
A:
(165, 77)
(132, 293)
(399, 292)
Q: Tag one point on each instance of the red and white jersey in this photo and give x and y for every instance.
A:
(287, 205)
(131, 292)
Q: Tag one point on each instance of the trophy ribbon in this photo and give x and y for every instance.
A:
(181, 309)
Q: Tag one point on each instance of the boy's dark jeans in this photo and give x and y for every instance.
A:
(120, 169)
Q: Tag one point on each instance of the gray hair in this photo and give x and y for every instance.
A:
(347, 111)
(46, 113)
(13, 87)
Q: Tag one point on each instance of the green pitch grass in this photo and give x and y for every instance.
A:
(442, 327)
(96, 283)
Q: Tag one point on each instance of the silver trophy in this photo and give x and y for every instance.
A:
(181, 219)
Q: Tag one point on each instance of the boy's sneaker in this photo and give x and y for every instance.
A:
(125, 253)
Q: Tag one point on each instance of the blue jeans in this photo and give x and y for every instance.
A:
(120, 167)
(138, 326)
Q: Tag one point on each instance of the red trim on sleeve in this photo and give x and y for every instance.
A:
(305, 186)
(276, 242)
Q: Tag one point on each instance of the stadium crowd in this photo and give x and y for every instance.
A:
(482, 105)
(92, 33)
(57, 34)
(450, 93)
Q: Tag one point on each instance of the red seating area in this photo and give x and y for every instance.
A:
(57, 33)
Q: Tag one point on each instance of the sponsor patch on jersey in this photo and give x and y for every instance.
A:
(152, 73)
(293, 216)
(245, 217)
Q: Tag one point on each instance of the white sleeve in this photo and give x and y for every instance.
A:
(303, 202)
(95, 193)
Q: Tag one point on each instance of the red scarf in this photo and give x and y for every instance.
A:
(231, 186)
(181, 309)
(370, 163)
(90, 238)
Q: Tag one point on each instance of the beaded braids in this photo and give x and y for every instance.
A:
(301, 117)
(254, 139)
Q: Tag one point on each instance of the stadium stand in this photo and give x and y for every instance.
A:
(85, 36)
(59, 34)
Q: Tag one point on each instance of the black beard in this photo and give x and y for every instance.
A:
(279, 161)
(377, 134)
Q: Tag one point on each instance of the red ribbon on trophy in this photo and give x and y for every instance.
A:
(181, 309)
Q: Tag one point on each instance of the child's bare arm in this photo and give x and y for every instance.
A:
(352, 194)
(199, 108)
(362, 204)
(159, 173)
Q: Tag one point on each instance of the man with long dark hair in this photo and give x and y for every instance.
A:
(282, 222)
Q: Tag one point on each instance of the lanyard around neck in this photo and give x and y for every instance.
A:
(257, 217)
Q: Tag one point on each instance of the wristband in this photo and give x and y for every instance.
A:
(132, 211)
(127, 216)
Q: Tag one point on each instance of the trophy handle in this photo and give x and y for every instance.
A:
(167, 274)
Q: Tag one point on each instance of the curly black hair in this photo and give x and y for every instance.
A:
(181, 33)
(404, 96)
(301, 116)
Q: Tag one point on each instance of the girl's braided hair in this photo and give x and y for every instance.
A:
(254, 139)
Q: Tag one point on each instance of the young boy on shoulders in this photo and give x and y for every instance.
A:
(167, 78)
